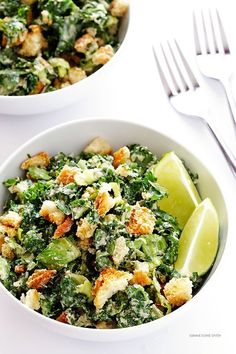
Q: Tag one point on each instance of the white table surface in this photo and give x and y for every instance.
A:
(133, 91)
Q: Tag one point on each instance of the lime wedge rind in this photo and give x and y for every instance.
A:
(199, 241)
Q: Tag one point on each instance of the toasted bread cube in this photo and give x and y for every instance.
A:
(109, 282)
(85, 243)
(178, 291)
(7, 231)
(98, 146)
(31, 299)
(19, 268)
(83, 43)
(40, 278)
(103, 203)
(41, 159)
(46, 17)
(85, 229)
(76, 74)
(103, 55)
(141, 278)
(2, 241)
(20, 187)
(67, 175)
(34, 42)
(63, 228)
(141, 222)
(11, 219)
(118, 8)
(121, 156)
(7, 251)
(105, 325)
(51, 213)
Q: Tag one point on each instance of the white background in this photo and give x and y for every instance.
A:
(133, 91)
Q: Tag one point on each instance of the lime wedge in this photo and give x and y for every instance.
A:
(199, 240)
(183, 196)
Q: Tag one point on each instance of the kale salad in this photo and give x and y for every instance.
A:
(46, 45)
(83, 240)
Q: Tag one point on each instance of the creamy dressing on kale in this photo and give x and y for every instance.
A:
(39, 48)
(77, 264)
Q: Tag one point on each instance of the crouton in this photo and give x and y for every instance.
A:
(103, 203)
(141, 278)
(178, 291)
(63, 228)
(7, 231)
(85, 229)
(110, 217)
(83, 44)
(105, 325)
(109, 282)
(64, 84)
(20, 187)
(67, 175)
(31, 299)
(98, 146)
(118, 8)
(7, 251)
(76, 74)
(121, 156)
(46, 17)
(85, 243)
(11, 219)
(19, 268)
(50, 212)
(41, 159)
(38, 88)
(120, 250)
(2, 241)
(92, 31)
(34, 42)
(103, 55)
(39, 278)
(141, 222)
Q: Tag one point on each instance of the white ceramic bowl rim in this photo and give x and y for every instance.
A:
(107, 333)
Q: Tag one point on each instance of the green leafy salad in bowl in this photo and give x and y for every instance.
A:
(105, 239)
(47, 45)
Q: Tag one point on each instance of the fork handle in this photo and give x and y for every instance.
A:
(231, 102)
(229, 156)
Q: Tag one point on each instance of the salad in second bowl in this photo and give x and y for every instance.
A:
(88, 239)
(46, 45)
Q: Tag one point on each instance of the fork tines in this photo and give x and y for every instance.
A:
(209, 33)
(175, 72)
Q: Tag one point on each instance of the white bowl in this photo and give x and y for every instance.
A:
(51, 101)
(72, 137)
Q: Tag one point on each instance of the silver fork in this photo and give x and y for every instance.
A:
(185, 94)
(213, 53)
